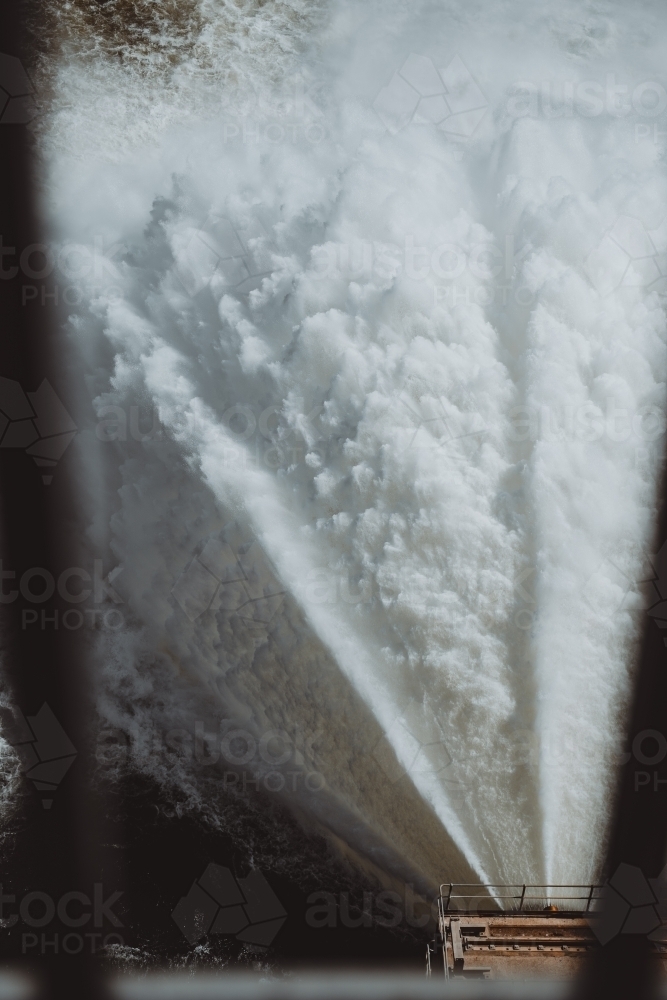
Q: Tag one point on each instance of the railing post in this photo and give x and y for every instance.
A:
(449, 896)
(523, 893)
(590, 899)
(457, 943)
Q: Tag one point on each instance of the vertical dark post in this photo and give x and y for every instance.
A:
(590, 898)
(42, 660)
(632, 904)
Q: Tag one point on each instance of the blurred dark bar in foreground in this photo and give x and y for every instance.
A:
(635, 900)
(46, 673)
(327, 984)
(43, 663)
(332, 984)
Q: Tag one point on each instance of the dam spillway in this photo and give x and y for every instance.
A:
(369, 390)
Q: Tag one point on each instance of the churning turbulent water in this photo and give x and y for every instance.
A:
(415, 352)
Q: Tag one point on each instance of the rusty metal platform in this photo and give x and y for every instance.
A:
(513, 931)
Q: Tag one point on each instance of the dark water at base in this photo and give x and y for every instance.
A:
(152, 856)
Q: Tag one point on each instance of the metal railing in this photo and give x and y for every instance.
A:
(520, 897)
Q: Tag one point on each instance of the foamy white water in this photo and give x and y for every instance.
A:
(392, 280)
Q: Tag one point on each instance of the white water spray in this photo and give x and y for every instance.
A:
(392, 280)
